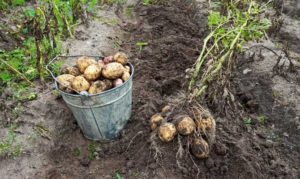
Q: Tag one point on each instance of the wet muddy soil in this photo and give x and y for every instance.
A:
(266, 147)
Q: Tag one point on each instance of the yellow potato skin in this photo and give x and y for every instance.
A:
(186, 126)
(200, 148)
(80, 84)
(64, 81)
(167, 132)
(83, 62)
(121, 57)
(113, 70)
(92, 72)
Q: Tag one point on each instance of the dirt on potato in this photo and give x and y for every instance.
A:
(260, 139)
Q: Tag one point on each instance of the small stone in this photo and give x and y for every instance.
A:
(246, 71)
(285, 134)
(85, 162)
(152, 166)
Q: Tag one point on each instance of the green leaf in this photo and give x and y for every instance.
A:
(17, 2)
(118, 176)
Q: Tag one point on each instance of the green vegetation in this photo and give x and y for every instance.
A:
(233, 24)
(43, 28)
(8, 145)
(248, 121)
(262, 119)
(141, 45)
(93, 149)
(118, 176)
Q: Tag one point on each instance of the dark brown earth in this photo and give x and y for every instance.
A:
(174, 34)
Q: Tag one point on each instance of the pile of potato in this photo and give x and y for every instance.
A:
(204, 125)
(89, 76)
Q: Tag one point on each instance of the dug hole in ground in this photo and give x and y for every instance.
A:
(53, 145)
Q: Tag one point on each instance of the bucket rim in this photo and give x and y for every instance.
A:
(101, 93)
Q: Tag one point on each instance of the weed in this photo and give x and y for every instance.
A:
(118, 176)
(93, 149)
(8, 145)
(129, 11)
(117, 43)
(77, 152)
(141, 45)
(146, 2)
(262, 119)
(247, 121)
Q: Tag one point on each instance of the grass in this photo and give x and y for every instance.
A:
(8, 145)
(141, 45)
(93, 149)
(247, 121)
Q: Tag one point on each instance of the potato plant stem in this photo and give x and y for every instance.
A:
(218, 65)
(17, 72)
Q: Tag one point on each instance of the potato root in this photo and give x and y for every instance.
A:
(83, 62)
(200, 148)
(97, 87)
(113, 70)
(167, 132)
(64, 82)
(92, 72)
(125, 76)
(79, 84)
(155, 121)
(185, 125)
(121, 57)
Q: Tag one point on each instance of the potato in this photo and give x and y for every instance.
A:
(64, 82)
(92, 72)
(113, 70)
(97, 87)
(167, 132)
(117, 82)
(125, 76)
(165, 110)
(101, 63)
(108, 59)
(200, 148)
(80, 84)
(127, 68)
(186, 125)
(83, 62)
(121, 57)
(108, 84)
(155, 121)
(205, 124)
(70, 70)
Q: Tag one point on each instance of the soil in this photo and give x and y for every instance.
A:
(54, 147)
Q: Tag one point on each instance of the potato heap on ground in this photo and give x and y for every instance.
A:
(90, 76)
(201, 129)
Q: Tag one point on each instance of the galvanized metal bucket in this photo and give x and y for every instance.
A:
(101, 116)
